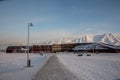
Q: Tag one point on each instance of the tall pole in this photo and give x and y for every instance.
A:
(28, 60)
(28, 47)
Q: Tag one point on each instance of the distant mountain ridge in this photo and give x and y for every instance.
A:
(113, 39)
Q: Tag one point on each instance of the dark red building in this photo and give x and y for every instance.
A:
(41, 48)
(15, 49)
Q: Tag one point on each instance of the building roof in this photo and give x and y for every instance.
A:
(97, 46)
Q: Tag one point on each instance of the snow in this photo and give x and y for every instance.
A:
(111, 46)
(54, 70)
(89, 46)
(13, 66)
(113, 39)
(102, 66)
(105, 66)
(99, 46)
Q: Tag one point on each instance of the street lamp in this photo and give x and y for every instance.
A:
(28, 60)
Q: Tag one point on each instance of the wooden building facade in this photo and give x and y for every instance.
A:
(15, 49)
(41, 48)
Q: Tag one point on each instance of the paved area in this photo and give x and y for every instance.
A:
(54, 70)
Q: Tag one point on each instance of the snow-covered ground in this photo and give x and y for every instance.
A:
(13, 66)
(105, 66)
(102, 66)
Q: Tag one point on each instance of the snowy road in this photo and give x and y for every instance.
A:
(54, 70)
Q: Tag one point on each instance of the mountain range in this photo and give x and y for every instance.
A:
(113, 39)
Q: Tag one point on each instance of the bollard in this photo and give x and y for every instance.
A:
(29, 63)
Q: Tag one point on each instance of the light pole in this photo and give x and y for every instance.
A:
(28, 48)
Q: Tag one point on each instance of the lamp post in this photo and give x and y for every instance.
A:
(28, 48)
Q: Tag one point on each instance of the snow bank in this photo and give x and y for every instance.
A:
(13, 66)
(95, 67)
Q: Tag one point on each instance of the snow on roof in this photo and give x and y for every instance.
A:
(110, 46)
(95, 46)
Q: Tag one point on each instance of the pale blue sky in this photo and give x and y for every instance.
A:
(55, 19)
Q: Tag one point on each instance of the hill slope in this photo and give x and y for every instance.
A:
(113, 39)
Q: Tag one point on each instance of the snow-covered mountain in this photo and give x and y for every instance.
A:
(113, 39)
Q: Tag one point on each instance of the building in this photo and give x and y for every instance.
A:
(73, 47)
(15, 49)
(41, 48)
(68, 47)
(97, 48)
(64, 47)
(56, 48)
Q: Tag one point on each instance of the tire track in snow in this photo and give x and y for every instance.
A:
(54, 70)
